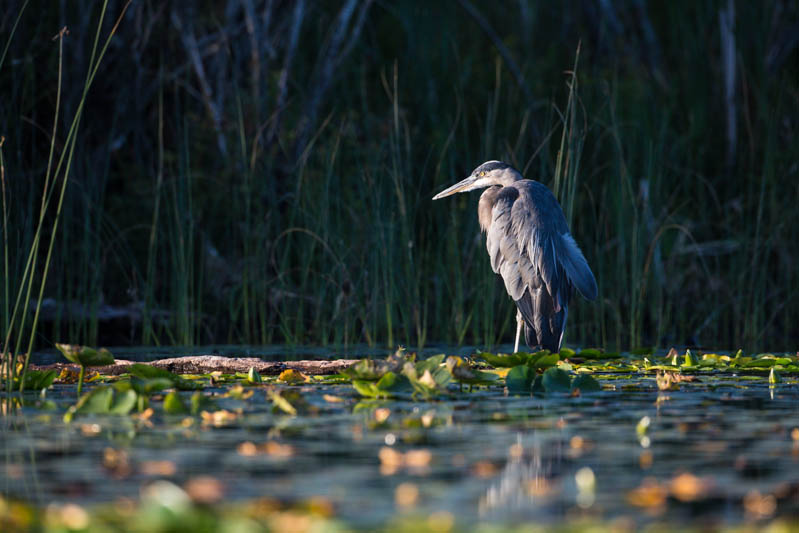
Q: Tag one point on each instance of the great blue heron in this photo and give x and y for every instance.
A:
(530, 246)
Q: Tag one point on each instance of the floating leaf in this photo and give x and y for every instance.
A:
(39, 379)
(85, 355)
(174, 405)
(585, 383)
(200, 402)
(148, 386)
(425, 382)
(124, 402)
(374, 369)
(543, 360)
(385, 387)
(463, 373)
(431, 363)
(565, 353)
(502, 360)
(152, 372)
(292, 377)
(103, 400)
(556, 380)
(281, 403)
(689, 358)
(592, 353)
(253, 376)
(520, 379)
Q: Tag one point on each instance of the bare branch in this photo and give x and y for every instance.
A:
(190, 43)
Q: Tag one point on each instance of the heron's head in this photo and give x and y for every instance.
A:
(488, 174)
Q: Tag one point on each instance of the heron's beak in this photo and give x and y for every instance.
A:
(461, 186)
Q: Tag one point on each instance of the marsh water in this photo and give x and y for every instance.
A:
(721, 450)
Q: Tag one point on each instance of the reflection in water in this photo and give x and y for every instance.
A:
(528, 479)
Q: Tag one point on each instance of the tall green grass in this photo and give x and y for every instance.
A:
(56, 179)
(256, 176)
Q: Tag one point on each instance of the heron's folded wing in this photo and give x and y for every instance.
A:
(522, 252)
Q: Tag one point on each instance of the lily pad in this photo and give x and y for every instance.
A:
(106, 400)
(174, 405)
(593, 353)
(152, 372)
(543, 360)
(585, 383)
(386, 387)
(39, 379)
(462, 372)
(148, 386)
(502, 360)
(520, 379)
(85, 355)
(556, 380)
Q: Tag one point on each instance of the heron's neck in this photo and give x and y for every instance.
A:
(486, 205)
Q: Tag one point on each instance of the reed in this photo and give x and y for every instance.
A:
(262, 172)
(17, 322)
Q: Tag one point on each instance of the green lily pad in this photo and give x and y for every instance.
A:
(592, 353)
(152, 372)
(567, 352)
(431, 363)
(387, 386)
(585, 383)
(200, 402)
(174, 405)
(39, 379)
(106, 400)
(281, 403)
(427, 379)
(543, 360)
(463, 373)
(253, 376)
(520, 379)
(85, 355)
(147, 386)
(502, 360)
(556, 380)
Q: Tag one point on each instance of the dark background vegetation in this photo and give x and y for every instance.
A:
(261, 171)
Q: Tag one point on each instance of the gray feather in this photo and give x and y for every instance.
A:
(528, 241)
(576, 267)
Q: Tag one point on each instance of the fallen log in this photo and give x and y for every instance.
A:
(205, 364)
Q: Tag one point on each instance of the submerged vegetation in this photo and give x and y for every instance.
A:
(260, 172)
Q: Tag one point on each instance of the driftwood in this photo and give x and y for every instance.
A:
(204, 364)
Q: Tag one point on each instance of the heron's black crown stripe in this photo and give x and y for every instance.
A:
(491, 165)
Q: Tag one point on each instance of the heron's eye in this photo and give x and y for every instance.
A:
(482, 173)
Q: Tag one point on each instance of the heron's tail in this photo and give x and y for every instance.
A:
(545, 339)
(543, 328)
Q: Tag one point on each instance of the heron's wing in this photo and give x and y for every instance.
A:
(543, 234)
(530, 247)
(540, 292)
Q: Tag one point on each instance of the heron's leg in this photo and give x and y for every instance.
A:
(519, 322)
